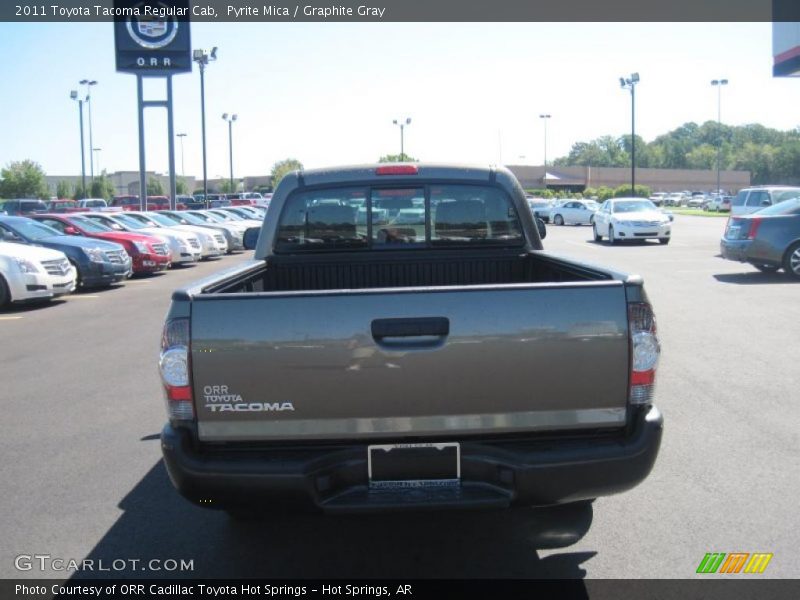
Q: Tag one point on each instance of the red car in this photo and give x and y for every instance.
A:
(153, 203)
(148, 253)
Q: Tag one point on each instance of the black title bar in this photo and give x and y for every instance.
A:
(421, 10)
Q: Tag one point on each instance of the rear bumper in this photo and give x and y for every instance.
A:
(334, 478)
(751, 251)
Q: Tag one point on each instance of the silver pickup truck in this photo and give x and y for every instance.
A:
(402, 341)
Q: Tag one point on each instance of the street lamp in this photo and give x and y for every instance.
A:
(544, 119)
(402, 123)
(89, 83)
(74, 95)
(629, 83)
(202, 58)
(183, 170)
(718, 83)
(97, 159)
(230, 119)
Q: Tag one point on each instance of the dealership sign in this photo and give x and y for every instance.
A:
(152, 37)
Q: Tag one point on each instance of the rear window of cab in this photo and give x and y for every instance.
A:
(423, 216)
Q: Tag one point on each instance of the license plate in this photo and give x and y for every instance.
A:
(414, 465)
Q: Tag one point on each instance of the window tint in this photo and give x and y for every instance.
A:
(787, 207)
(780, 196)
(57, 225)
(756, 196)
(323, 218)
(348, 218)
(739, 198)
(398, 216)
(465, 213)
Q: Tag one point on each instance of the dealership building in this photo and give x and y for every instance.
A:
(577, 179)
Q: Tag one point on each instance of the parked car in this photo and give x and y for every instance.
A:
(212, 244)
(696, 201)
(32, 273)
(752, 199)
(577, 212)
(184, 247)
(768, 239)
(453, 388)
(718, 204)
(674, 199)
(540, 208)
(233, 234)
(246, 212)
(98, 263)
(245, 222)
(149, 254)
(622, 219)
(658, 198)
(23, 206)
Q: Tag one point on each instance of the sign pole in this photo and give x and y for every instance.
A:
(173, 187)
(142, 176)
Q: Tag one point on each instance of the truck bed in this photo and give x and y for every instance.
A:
(385, 270)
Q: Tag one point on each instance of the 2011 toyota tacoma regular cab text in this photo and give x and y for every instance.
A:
(401, 340)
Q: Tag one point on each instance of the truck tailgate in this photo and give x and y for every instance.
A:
(412, 362)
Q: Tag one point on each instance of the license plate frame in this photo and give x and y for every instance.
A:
(414, 465)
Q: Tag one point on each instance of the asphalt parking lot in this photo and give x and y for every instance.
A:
(83, 477)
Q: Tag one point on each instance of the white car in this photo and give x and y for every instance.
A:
(33, 273)
(211, 243)
(631, 219)
(184, 247)
(579, 212)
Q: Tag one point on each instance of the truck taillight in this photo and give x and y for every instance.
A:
(645, 350)
(173, 363)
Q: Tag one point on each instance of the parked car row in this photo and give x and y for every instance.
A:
(45, 255)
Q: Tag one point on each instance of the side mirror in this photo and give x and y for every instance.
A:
(766, 203)
(251, 237)
(541, 227)
(70, 230)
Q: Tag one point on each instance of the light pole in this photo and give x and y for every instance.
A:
(89, 83)
(544, 119)
(230, 119)
(629, 83)
(718, 83)
(402, 123)
(183, 170)
(202, 58)
(74, 95)
(97, 158)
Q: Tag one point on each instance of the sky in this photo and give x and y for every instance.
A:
(327, 93)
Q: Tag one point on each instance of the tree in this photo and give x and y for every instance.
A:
(102, 187)
(180, 186)
(397, 158)
(154, 187)
(639, 191)
(226, 187)
(282, 168)
(23, 179)
(64, 189)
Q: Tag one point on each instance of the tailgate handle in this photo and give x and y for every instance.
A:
(425, 326)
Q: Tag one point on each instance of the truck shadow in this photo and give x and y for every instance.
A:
(158, 524)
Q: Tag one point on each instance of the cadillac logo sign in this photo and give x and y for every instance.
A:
(152, 38)
(153, 32)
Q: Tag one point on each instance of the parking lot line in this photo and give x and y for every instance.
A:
(82, 296)
(9, 318)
